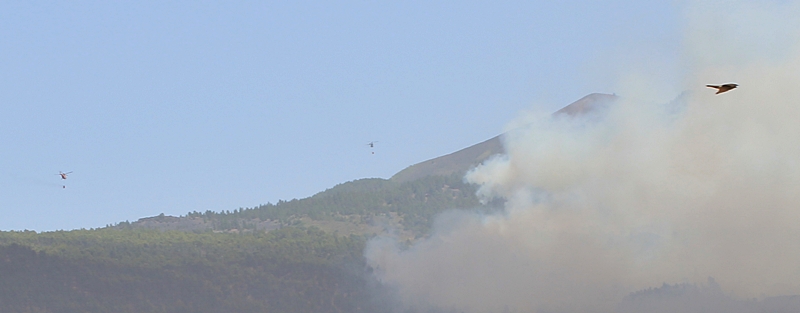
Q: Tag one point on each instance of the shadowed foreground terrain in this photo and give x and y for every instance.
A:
(287, 270)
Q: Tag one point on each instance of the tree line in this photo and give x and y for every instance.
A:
(416, 202)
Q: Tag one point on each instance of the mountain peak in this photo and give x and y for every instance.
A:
(467, 158)
(588, 103)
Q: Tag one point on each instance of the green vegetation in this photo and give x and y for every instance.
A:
(107, 270)
(415, 203)
(283, 257)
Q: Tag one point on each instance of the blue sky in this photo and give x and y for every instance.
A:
(172, 107)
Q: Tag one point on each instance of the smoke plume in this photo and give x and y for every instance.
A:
(641, 194)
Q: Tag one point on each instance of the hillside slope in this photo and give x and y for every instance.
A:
(143, 271)
(405, 204)
(361, 207)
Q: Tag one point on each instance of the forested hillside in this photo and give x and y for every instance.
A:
(287, 270)
(365, 206)
(269, 258)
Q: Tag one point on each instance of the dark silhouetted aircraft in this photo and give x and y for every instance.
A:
(722, 88)
(63, 175)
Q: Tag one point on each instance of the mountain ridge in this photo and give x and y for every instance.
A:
(405, 204)
(469, 157)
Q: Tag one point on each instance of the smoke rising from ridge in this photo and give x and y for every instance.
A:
(604, 205)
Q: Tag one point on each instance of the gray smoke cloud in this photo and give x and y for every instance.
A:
(599, 207)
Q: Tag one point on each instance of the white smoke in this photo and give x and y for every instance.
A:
(598, 208)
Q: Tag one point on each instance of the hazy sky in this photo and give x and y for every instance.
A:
(177, 106)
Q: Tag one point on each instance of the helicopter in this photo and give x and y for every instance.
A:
(371, 144)
(63, 175)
